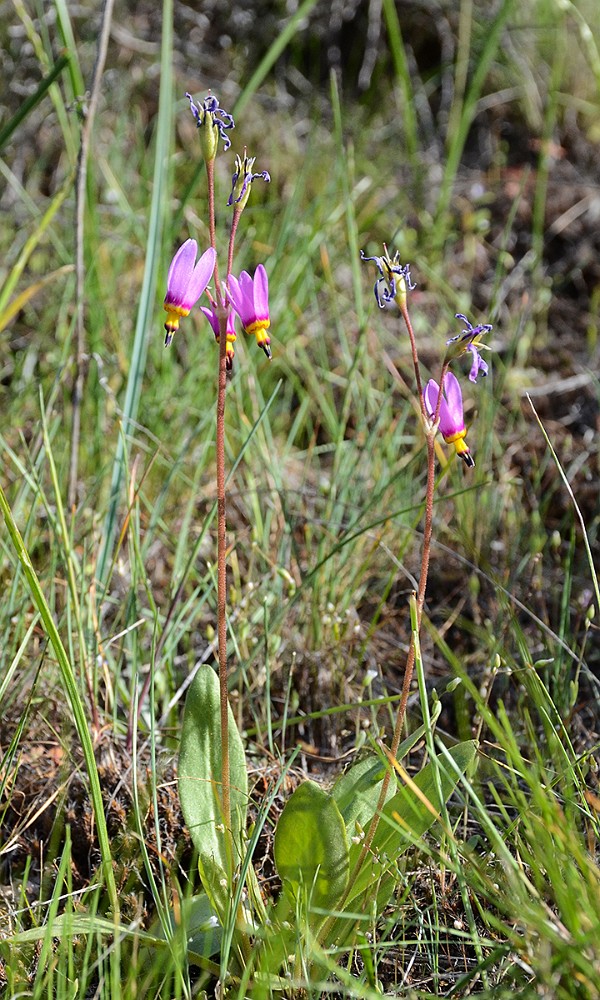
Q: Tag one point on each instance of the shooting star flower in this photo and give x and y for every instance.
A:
(242, 179)
(185, 283)
(213, 319)
(213, 123)
(250, 299)
(452, 423)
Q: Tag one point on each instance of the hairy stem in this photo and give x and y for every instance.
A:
(222, 568)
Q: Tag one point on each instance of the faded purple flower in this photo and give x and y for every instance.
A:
(469, 340)
(241, 181)
(213, 122)
(393, 276)
(213, 319)
(250, 299)
(452, 422)
(185, 283)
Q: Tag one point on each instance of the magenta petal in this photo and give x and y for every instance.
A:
(200, 278)
(212, 319)
(432, 391)
(450, 413)
(235, 294)
(261, 293)
(455, 403)
(180, 273)
(242, 296)
(448, 425)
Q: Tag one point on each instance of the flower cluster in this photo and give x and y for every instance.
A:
(441, 403)
(246, 297)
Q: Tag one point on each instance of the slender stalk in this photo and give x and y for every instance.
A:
(222, 312)
(222, 568)
(234, 224)
(431, 427)
(415, 357)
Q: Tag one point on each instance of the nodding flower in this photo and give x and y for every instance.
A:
(469, 340)
(213, 319)
(250, 299)
(393, 281)
(185, 283)
(452, 422)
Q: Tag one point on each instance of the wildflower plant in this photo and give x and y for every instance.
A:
(336, 851)
(216, 754)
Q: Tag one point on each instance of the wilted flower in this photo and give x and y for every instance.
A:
(250, 299)
(241, 181)
(213, 122)
(185, 283)
(469, 340)
(393, 276)
(452, 423)
(213, 319)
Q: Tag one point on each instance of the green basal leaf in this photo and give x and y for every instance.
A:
(357, 791)
(406, 816)
(311, 847)
(200, 787)
(198, 921)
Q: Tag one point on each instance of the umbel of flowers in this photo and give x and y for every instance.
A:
(187, 280)
(440, 403)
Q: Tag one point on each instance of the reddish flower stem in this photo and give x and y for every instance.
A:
(425, 557)
(222, 568)
(221, 513)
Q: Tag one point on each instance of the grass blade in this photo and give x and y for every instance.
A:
(147, 297)
(71, 686)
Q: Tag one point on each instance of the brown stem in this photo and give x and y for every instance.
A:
(222, 568)
(415, 357)
(410, 659)
(221, 514)
(234, 224)
(212, 224)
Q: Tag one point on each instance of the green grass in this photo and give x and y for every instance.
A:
(327, 476)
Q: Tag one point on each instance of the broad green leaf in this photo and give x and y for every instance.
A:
(202, 930)
(311, 847)
(406, 816)
(200, 786)
(412, 814)
(357, 791)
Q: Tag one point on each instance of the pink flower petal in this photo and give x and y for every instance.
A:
(200, 277)
(261, 293)
(432, 391)
(180, 272)
(455, 403)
